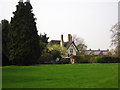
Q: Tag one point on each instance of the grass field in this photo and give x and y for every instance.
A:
(61, 76)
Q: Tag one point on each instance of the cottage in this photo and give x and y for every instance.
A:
(69, 45)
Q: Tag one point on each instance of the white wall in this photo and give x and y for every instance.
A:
(74, 49)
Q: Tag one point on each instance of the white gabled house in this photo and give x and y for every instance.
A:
(69, 45)
(71, 48)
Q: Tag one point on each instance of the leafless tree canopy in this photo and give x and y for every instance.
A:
(116, 37)
(79, 42)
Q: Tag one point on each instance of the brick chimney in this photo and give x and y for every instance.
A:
(61, 41)
(69, 37)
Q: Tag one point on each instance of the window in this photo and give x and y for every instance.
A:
(71, 51)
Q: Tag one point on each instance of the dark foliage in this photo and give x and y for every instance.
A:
(105, 59)
(95, 59)
(5, 60)
(81, 59)
(56, 54)
(45, 58)
(43, 39)
(5, 42)
(109, 60)
(64, 61)
(24, 40)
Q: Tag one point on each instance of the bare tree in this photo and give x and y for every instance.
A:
(79, 42)
(116, 38)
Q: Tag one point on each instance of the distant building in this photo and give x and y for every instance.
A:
(98, 52)
(69, 45)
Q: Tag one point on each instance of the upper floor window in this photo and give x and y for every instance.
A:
(71, 51)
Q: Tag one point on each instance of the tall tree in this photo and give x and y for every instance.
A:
(0, 44)
(24, 46)
(116, 38)
(5, 42)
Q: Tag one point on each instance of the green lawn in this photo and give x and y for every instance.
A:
(61, 76)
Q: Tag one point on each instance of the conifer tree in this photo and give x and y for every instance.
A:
(43, 43)
(5, 41)
(24, 46)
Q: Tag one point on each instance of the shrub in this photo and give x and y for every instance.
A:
(96, 59)
(62, 50)
(110, 60)
(105, 59)
(46, 58)
(81, 59)
(55, 54)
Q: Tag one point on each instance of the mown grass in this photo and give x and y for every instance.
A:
(61, 76)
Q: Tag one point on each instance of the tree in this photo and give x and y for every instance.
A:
(44, 55)
(61, 50)
(24, 46)
(5, 42)
(79, 43)
(44, 38)
(116, 38)
(1, 43)
(45, 58)
(43, 42)
(56, 54)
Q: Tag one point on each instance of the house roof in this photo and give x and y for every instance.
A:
(96, 52)
(87, 52)
(52, 42)
(66, 44)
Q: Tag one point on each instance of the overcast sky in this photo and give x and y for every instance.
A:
(88, 19)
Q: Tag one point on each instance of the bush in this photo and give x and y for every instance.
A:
(55, 54)
(110, 60)
(105, 59)
(96, 59)
(45, 58)
(81, 59)
(64, 61)
(55, 47)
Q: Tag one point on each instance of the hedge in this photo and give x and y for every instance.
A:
(106, 59)
(81, 59)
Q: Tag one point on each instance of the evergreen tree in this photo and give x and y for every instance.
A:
(5, 42)
(44, 38)
(1, 44)
(43, 43)
(24, 46)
